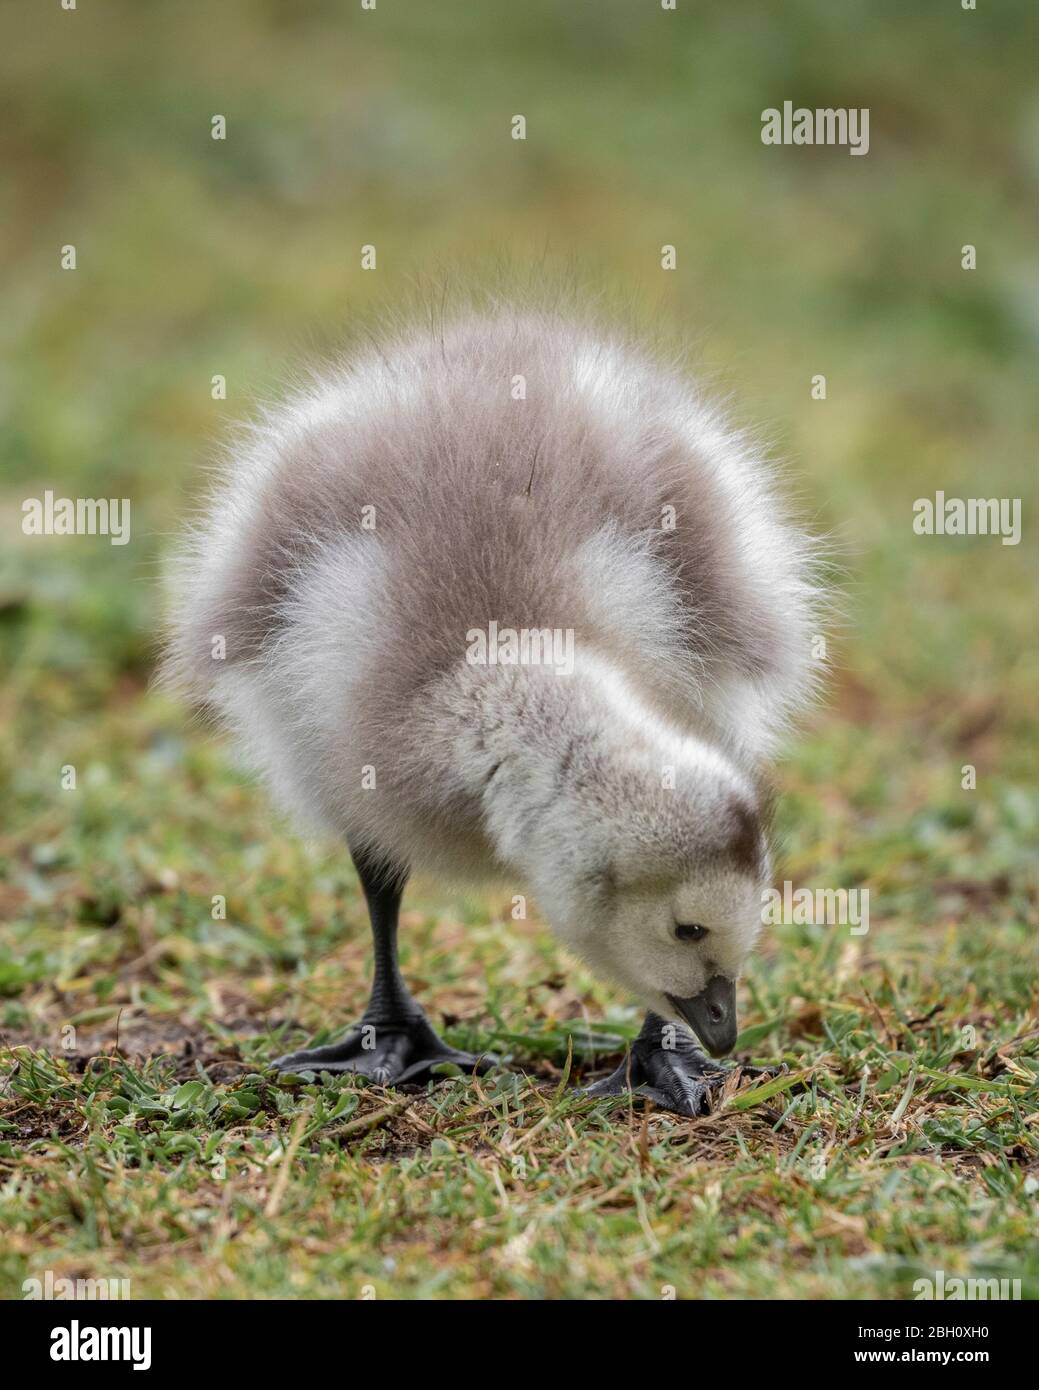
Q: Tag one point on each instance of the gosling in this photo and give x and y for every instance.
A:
(511, 599)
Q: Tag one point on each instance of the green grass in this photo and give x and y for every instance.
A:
(140, 1133)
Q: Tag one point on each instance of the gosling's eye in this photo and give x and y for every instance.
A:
(689, 931)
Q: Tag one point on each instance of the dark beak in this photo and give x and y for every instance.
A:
(711, 1015)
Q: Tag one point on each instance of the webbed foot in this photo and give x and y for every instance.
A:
(399, 1052)
(666, 1066)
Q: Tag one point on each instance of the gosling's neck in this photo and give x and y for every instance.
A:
(548, 759)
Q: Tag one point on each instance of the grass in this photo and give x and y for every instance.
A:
(141, 1135)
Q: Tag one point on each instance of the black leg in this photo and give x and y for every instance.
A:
(666, 1066)
(390, 1002)
(394, 1043)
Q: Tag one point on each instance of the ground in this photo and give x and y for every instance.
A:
(163, 933)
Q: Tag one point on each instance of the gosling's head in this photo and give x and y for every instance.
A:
(669, 903)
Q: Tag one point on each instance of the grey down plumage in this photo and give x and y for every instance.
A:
(523, 470)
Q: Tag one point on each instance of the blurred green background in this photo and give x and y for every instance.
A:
(242, 258)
